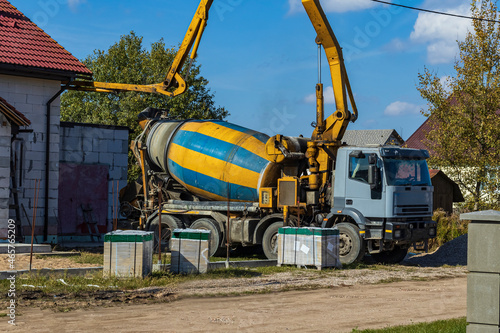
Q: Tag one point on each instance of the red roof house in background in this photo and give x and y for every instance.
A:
(446, 191)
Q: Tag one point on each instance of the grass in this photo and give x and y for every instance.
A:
(441, 326)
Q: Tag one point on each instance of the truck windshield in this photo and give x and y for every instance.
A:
(406, 172)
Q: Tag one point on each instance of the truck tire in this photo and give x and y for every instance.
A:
(394, 256)
(351, 245)
(214, 244)
(270, 240)
(168, 224)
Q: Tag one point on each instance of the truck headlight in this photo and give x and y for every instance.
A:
(432, 232)
(397, 234)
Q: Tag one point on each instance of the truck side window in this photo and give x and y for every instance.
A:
(358, 168)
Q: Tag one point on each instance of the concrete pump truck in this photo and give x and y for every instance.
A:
(243, 185)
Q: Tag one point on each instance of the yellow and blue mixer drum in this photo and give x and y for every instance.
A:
(213, 159)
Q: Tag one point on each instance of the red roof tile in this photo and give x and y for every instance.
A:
(417, 139)
(23, 43)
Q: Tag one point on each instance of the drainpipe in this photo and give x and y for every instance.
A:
(47, 165)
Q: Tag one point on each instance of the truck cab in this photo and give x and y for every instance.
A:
(384, 194)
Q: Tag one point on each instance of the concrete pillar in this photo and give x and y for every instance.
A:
(483, 263)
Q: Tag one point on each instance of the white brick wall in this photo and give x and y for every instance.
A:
(29, 96)
(84, 144)
(5, 132)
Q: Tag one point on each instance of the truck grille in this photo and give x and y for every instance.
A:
(408, 210)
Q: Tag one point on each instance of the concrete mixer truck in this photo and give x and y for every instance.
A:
(243, 185)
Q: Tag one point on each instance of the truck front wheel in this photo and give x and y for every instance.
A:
(351, 245)
(270, 240)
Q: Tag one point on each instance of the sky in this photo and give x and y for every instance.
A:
(260, 57)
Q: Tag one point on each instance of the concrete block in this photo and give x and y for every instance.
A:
(92, 132)
(35, 99)
(120, 135)
(13, 98)
(5, 152)
(71, 143)
(106, 158)
(87, 144)
(4, 192)
(100, 145)
(4, 141)
(90, 158)
(74, 156)
(115, 173)
(4, 163)
(4, 181)
(36, 156)
(115, 146)
(483, 253)
(120, 160)
(483, 298)
(4, 210)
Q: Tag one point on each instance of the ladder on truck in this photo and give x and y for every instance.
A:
(90, 221)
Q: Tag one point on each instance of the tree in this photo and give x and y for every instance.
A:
(128, 62)
(464, 112)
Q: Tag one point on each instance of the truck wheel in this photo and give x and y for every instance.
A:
(394, 256)
(351, 246)
(270, 240)
(214, 245)
(168, 224)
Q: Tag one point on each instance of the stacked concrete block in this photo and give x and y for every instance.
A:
(5, 131)
(189, 251)
(30, 96)
(128, 253)
(483, 263)
(317, 247)
(98, 144)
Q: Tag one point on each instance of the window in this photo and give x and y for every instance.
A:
(358, 168)
(406, 172)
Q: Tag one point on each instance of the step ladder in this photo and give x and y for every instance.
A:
(90, 221)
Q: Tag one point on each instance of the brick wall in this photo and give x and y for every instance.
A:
(29, 96)
(5, 135)
(95, 144)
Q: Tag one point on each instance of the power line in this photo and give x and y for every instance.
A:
(436, 12)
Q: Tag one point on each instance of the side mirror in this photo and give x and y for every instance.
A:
(373, 177)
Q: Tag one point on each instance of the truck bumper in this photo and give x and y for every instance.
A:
(409, 232)
(401, 232)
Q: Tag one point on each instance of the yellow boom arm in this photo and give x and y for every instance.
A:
(333, 128)
(173, 78)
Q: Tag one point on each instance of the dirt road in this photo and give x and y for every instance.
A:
(336, 309)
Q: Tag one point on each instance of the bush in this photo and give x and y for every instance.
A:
(449, 227)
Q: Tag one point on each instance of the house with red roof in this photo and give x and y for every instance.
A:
(446, 191)
(36, 148)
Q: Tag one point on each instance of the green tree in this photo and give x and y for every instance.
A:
(127, 61)
(464, 112)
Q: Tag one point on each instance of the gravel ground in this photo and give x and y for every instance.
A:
(452, 253)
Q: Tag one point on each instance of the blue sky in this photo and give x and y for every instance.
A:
(261, 59)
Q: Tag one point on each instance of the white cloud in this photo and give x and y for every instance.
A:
(73, 4)
(399, 108)
(327, 93)
(337, 6)
(441, 32)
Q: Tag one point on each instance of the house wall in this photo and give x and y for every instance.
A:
(5, 134)
(84, 144)
(29, 96)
